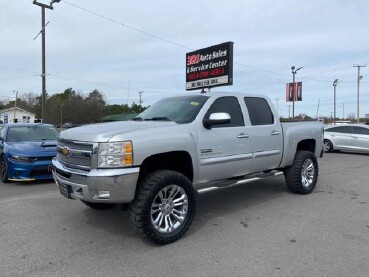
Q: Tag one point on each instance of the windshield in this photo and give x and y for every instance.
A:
(32, 133)
(183, 109)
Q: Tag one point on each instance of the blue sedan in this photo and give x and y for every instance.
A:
(26, 151)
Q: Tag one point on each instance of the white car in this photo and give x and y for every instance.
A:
(350, 137)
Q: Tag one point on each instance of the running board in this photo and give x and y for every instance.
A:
(230, 183)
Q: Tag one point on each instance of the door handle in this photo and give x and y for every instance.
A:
(242, 135)
(274, 133)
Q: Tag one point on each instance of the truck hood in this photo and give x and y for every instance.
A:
(102, 132)
(31, 148)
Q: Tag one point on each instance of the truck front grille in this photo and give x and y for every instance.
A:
(75, 154)
(75, 145)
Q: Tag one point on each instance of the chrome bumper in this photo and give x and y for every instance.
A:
(97, 185)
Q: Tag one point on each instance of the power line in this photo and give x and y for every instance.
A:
(127, 26)
(160, 38)
(35, 73)
(189, 48)
(263, 70)
(330, 70)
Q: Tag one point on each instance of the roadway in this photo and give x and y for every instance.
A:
(255, 229)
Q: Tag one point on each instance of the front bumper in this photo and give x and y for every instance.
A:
(39, 170)
(97, 185)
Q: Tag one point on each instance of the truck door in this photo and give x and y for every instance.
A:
(224, 150)
(265, 133)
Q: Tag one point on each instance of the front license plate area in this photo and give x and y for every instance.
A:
(65, 190)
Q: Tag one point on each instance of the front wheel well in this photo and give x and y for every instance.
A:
(178, 161)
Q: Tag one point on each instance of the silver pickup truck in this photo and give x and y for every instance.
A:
(181, 145)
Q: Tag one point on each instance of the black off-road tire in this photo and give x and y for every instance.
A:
(99, 206)
(149, 206)
(302, 176)
(4, 170)
(328, 146)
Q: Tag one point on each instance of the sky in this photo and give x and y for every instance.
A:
(124, 47)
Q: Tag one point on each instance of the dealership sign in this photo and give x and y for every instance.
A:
(210, 67)
(294, 92)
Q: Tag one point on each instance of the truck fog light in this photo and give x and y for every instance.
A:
(102, 194)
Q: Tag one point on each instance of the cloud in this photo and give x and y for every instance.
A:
(111, 52)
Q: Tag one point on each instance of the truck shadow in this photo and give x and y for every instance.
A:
(210, 206)
(219, 203)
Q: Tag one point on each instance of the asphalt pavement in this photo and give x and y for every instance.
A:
(255, 229)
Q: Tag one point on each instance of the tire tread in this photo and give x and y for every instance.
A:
(293, 173)
(140, 208)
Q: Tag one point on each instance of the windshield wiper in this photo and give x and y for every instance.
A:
(137, 118)
(158, 118)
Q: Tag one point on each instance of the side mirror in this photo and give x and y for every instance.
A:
(216, 119)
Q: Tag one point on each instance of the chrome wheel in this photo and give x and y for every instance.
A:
(327, 146)
(164, 206)
(307, 173)
(169, 209)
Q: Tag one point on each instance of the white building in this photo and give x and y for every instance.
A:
(13, 115)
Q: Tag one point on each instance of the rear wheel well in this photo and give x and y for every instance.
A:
(306, 145)
(179, 161)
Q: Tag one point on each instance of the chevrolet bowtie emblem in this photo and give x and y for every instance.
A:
(65, 151)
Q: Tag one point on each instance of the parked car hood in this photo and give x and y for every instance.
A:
(31, 148)
(102, 132)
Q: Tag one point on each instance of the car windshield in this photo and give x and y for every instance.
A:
(183, 109)
(31, 133)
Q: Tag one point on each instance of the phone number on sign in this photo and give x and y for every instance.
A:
(206, 74)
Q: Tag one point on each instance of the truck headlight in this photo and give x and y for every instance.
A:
(115, 154)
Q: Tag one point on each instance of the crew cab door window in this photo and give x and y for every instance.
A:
(228, 105)
(259, 111)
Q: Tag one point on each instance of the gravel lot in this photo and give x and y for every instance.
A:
(255, 229)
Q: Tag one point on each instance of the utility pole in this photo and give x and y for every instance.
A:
(294, 71)
(43, 75)
(358, 89)
(277, 104)
(343, 111)
(129, 86)
(335, 85)
(15, 105)
(61, 114)
(140, 99)
(289, 111)
(317, 110)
